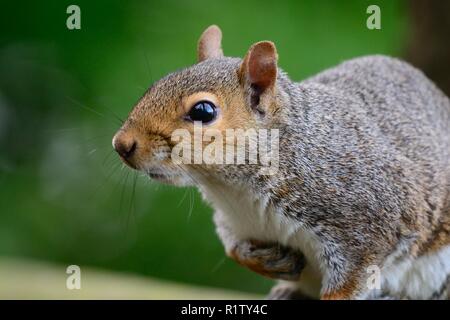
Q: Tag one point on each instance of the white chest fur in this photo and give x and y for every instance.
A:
(250, 217)
(418, 278)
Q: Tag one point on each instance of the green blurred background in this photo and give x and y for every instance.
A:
(64, 196)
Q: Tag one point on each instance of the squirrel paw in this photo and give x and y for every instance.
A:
(269, 259)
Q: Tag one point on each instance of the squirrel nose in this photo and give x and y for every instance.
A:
(125, 145)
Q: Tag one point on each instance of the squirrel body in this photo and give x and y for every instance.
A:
(352, 177)
(363, 185)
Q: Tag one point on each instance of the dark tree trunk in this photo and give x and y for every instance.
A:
(429, 42)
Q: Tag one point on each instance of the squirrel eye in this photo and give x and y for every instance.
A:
(203, 111)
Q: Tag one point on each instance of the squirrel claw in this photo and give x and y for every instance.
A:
(269, 259)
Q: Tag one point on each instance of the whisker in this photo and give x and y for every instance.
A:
(148, 65)
(191, 204)
(107, 157)
(98, 137)
(79, 104)
(131, 209)
(183, 198)
(122, 194)
(63, 129)
(119, 119)
(147, 61)
(218, 264)
(189, 174)
(108, 177)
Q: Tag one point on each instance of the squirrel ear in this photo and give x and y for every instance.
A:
(210, 44)
(260, 65)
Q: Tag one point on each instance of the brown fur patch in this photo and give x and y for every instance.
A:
(439, 236)
(346, 292)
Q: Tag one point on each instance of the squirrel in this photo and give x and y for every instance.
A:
(360, 205)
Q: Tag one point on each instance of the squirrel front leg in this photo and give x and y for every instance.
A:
(346, 273)
(269, 259)
(266, 258)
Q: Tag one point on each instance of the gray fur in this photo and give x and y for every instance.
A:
(371, 154)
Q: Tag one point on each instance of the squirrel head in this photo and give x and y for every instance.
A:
(218, 92)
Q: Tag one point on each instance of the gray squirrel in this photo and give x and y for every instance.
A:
(363, 185)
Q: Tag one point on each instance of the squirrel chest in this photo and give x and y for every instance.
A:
(250, 217)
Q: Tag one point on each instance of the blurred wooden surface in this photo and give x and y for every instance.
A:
(24, 279)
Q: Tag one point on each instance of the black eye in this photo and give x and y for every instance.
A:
(203, 111)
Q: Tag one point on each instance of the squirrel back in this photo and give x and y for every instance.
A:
(377, 133)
